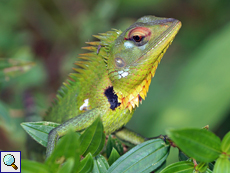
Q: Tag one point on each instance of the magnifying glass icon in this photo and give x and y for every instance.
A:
(9, 160)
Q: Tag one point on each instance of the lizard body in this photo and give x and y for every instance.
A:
(113, 78)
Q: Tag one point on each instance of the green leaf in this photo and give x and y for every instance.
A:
(28, 166)
(222, 165)
(10, 68)
(113, 143)
(113, 156)
(179, 167)
(225, 144)
(93, 138)
(86, 165)
(109, 146)
(160, 168)
(202, 145)
(39, 130)
(184, 157)
(67, 167)
(144, 157)
(202, 167)
(208, 171)
(67, 147)
(100, 164)
(118, 146)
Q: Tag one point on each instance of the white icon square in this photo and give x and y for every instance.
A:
(10, 161)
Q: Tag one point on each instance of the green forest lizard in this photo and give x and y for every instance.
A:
(112, 79)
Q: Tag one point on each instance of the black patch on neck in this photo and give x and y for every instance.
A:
(112, 98)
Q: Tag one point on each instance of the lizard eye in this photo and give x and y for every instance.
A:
(139, 35)
(138, 38)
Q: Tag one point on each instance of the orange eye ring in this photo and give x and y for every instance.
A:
(139, 35)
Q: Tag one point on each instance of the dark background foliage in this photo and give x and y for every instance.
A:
(191, 87)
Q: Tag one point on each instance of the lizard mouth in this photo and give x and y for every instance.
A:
(136, 97)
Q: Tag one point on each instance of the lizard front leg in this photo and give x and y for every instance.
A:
(77, 123)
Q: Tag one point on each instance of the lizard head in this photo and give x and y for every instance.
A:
(135, 56)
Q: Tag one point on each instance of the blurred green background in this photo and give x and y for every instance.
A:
(191, 87)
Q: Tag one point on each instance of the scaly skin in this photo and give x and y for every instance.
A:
(111, 80)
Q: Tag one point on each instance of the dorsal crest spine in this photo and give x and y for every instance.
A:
(84, 60)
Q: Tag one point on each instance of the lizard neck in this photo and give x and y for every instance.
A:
(130, 95)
